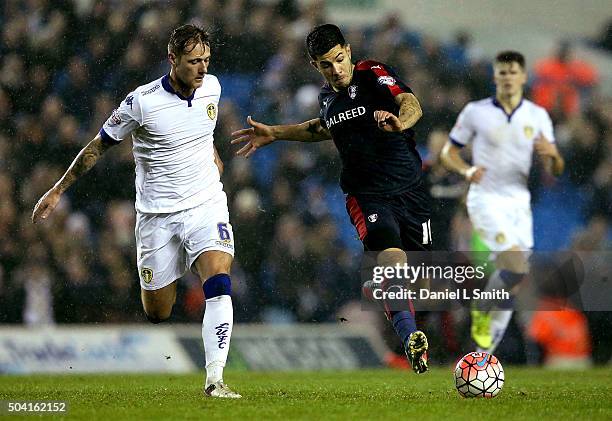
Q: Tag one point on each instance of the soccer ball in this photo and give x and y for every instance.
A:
(479, 375)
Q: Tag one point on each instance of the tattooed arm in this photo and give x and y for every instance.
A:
(83, 162)
(308, 131)
(409, 113)
(410, 110)
(260, 134)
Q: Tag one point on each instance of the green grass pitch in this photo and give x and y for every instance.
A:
(529, 393)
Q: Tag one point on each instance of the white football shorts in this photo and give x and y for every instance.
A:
(168, 244)
(502, 222)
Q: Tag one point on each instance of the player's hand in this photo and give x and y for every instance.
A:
(544, 147)
(387, 121)
(474, 174)
(45, 205)
(256, 136)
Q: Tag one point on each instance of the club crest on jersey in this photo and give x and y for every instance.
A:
(386, 80)
(352, 91)
(373, 217)
(147, 275)
(528, 131)
(211, 110)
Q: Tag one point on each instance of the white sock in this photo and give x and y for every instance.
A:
(500, 318)
(495, 282)
(499, 323)
(216, 333)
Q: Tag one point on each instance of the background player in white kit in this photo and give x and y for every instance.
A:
(504, 130)
(182, 217)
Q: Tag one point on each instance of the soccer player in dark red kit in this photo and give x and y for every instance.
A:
(368, 112)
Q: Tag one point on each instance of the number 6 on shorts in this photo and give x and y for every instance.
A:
(223, 232)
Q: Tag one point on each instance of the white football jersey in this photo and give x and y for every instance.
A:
(172, 143)
(502, 144)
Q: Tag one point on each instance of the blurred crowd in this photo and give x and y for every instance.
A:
(65, 65)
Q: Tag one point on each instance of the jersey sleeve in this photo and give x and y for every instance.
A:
(321, 112)
(124, 119)
(387, 82)
(546, 126)
(463, 130)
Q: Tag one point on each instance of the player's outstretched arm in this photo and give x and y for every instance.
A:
(452, 160)
(83, 162)
(259, 134)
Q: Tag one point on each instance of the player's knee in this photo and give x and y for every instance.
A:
(391, 257)
(217, 268)
(217, 285)
(157, 317)
(513, 260)
(212, 263)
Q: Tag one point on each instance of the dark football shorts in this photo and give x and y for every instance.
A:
(395, 221)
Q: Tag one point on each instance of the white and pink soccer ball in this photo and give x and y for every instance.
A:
(479, 375)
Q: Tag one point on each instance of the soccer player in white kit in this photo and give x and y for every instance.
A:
(182, 216)
(504, 130)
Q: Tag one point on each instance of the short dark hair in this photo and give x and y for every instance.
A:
(510, 57)
(323, 38)
(186, 35)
